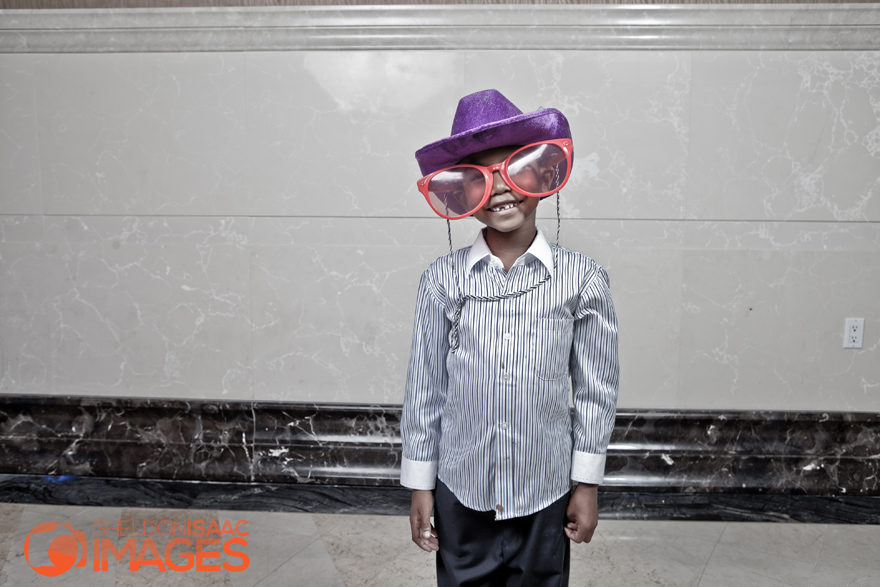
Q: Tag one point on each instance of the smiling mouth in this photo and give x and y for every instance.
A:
(504, 206)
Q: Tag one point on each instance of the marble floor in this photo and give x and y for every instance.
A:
(316, 550)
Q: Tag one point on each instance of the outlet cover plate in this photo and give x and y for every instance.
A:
(853, 333)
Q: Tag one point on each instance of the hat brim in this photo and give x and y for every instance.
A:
(532, 127)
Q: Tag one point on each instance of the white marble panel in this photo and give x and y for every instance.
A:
(25, 325)
(98, 309)
(778, 236)
(785, 136)
(628, 112)
(334, 133)
(333, 321)
(14, 229)
(171, 319)
(646, 289)
(764, 330)
(321, 309)
(246, 225)
(664, 331)
(352, 232)
(142, 133)
(20, 191)
(115, 231)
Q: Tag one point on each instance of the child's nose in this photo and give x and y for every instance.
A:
(498, 185)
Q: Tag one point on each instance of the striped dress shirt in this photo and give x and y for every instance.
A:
(492, 420)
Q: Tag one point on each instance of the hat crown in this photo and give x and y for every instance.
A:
(486, 120)
(481, 108)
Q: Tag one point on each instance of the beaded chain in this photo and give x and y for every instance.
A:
(459, 304)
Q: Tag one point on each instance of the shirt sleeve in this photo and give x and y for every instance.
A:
(594, 376)
(425, 392)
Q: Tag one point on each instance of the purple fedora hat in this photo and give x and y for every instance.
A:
(485, 120)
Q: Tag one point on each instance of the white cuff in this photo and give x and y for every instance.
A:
(587, 468)
(418, 474)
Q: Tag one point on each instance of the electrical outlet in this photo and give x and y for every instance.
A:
(853, 332)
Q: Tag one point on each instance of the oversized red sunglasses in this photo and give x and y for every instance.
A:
(537, 170)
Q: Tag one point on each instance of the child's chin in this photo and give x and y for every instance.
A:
(507, 226)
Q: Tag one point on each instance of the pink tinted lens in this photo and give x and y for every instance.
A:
(457, 191)
(538, 170)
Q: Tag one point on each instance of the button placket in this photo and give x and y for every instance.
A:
(503, 447)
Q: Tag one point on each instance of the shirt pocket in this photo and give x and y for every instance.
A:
(552, 341)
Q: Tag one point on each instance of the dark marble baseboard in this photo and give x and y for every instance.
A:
(249, 451)
(371, 500)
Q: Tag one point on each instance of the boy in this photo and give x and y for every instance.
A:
(500, 327)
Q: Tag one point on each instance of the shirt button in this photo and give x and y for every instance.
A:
(506, 377)
(507, 336)
(504, 425)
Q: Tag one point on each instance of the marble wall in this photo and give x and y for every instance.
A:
(244, 225)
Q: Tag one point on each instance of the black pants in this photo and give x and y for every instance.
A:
(477, 551)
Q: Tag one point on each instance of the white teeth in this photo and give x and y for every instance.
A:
(502, 207)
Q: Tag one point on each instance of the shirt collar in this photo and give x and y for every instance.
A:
(539, 249)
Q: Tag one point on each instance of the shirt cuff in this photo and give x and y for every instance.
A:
(418, 474)
(587, 468)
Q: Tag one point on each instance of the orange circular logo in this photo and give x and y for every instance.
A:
(63, 550)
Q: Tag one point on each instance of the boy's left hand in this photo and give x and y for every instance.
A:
(582, 513)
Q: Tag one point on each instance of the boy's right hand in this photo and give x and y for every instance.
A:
(423, 533)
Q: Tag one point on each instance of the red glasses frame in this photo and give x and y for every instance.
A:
(488, 170)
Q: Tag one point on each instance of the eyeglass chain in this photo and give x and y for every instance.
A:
(459, 304)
